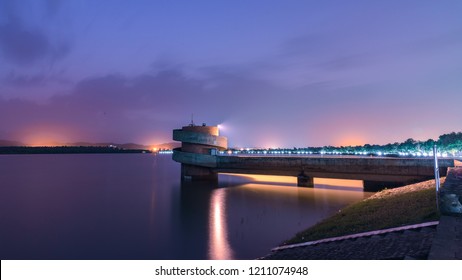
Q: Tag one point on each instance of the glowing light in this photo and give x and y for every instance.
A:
(268, 178)
(351, 140)
(339, 182)
(219, 248)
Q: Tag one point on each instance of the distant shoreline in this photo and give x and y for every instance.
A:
(15, 150)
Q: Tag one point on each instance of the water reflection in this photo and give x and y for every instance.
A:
(262, 211)
(244, 216)
(339, 184)
(133, 206)
(219, 247)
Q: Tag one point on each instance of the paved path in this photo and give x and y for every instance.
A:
(399, 244)
(447, 244)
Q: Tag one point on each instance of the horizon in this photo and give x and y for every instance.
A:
(155, 146)
(272, 74)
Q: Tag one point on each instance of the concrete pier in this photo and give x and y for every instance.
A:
(197, 173)
(305, 181)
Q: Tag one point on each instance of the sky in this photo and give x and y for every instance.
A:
(271, 73)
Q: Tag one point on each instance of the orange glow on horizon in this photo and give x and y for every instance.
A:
(45, 139)
(350, 140)
(47, 135)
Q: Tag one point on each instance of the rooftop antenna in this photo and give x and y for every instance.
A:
(192, 120)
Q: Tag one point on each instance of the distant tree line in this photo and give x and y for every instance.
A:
(67, 150)
(448, 144)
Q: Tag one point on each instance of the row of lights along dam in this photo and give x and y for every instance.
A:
(302, 152)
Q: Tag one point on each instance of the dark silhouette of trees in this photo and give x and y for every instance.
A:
(67, 150)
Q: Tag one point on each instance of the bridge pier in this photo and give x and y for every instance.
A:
(305, 181)
(197, 173)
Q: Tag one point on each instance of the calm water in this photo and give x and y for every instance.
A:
(133, 206)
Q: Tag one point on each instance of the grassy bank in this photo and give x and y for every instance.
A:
(406, 205)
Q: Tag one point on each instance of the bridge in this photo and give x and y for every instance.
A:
(200, 160)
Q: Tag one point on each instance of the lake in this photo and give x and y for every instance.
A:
(134, 206)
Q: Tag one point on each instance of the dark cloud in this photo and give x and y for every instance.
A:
(145, 108)
(120, 108)
(17, 80)
(23, 45)
(168, 88)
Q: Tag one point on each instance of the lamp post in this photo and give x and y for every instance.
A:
(437, 176)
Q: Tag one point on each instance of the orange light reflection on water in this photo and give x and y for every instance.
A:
(219, 248)
(290, 180)
(268, 178)
(338, 182)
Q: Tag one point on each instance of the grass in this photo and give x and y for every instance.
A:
(406, 205)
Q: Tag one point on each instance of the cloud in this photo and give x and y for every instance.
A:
(255, 112)
(18, 80)
(113, 107)
(23, 45)
(142, 108)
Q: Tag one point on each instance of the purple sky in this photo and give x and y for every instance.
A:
(273, 73)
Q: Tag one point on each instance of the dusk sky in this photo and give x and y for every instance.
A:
(272, 73)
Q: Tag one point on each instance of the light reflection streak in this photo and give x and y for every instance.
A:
(338, 182)
(291, 180)
(219, 247)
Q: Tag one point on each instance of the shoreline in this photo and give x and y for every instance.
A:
(403, 218)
